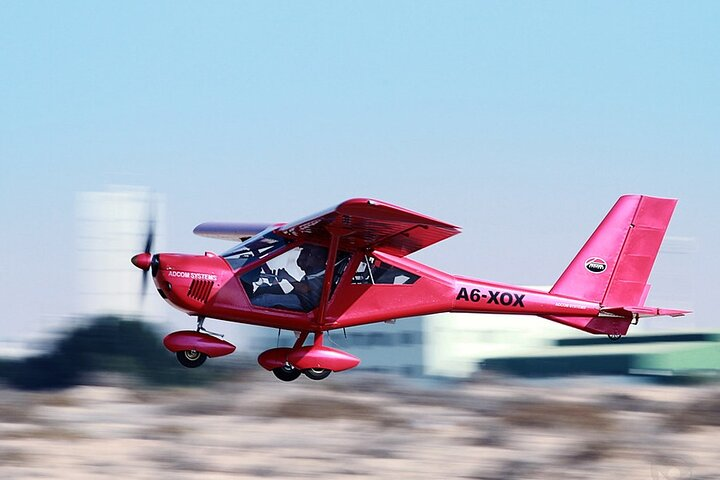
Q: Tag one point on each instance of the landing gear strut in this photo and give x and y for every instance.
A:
(200, 328)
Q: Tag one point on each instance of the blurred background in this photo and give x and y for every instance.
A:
(522, 122)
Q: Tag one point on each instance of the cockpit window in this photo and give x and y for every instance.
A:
(293, 280)
(373, 271)
(253, 248)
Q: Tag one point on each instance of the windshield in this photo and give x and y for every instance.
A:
(253, 248)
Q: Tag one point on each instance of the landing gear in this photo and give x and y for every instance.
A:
(316, 361)
(191, 358)
(614, 337)
(201, 322)
(317, 373)
(287, 373)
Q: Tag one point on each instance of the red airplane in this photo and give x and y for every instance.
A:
(348, 266)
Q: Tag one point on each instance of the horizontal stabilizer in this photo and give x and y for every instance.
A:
(609, 325)
(641, 311)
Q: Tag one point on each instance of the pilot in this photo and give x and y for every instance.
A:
(303, 294)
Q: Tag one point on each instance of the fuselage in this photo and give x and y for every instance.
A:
(208, 286)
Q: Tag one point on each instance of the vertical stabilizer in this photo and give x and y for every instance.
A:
(613, 266)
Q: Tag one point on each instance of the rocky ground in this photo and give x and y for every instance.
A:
(354, 426)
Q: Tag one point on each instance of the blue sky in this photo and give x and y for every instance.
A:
(520, 121)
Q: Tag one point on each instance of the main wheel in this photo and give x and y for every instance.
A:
(287, 373)
(191, 358)
(317, 373)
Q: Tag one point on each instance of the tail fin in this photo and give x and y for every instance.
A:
(613, 266)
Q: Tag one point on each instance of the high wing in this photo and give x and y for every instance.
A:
(231, 231)
(366, 224)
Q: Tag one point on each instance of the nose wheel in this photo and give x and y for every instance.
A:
(191, 358)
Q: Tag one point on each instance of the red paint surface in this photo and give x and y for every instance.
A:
(198, 341)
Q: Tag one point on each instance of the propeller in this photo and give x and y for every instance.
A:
(144, 260)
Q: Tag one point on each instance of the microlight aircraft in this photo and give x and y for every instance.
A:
(349, 266)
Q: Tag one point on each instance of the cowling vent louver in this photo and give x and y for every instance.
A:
(200, 290)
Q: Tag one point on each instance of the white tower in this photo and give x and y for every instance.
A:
(112, 226)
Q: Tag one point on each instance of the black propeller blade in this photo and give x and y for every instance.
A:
(148, 249)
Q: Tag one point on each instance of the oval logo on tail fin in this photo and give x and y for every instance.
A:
(595, 265)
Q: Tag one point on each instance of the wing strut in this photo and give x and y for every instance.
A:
(335, 234)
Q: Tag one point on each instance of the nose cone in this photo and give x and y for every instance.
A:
(142, 261)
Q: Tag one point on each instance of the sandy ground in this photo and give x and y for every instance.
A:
(356, 427)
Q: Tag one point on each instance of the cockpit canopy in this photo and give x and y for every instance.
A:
(259, 246)
(293, 279)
